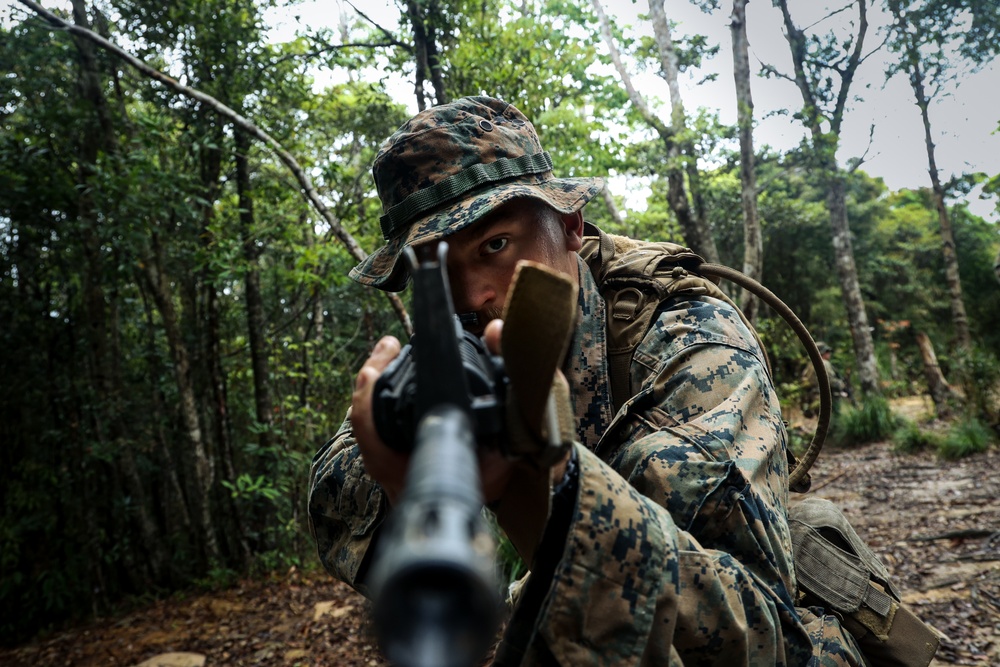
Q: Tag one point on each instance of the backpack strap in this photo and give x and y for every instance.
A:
(635, 277)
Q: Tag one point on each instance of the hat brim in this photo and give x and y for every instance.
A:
(383, 268)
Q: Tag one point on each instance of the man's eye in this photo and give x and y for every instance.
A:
(495, 245)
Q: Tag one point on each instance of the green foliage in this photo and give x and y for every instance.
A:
(799, 439)
(511, 566)
(218, 579)
(978, 372)
(965, 438)
(909, 437)
(872, 421)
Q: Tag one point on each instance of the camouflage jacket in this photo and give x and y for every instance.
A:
(677, 550)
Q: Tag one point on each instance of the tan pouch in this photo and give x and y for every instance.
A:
(835, 569)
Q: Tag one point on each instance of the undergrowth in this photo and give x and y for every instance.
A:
(871, 421)
(909, 437)
(965, 438)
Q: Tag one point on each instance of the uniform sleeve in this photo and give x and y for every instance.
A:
(678, 549)
(704, 438)
(346, 507)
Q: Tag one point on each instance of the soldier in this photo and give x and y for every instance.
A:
(669, 540)
(839, 387)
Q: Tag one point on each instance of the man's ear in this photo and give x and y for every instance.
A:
(573, 230)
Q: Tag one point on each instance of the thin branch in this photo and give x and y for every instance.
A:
(305, 184)
(829, 481)
(861, 160)
(334, 47)
(828, 16)
(637, 100)
(772, 70)
(385, 32)
(968, 533)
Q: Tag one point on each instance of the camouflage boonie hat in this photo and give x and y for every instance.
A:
(451, 165)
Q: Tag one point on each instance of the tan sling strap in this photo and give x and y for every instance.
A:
(539, 317)
(635, 277)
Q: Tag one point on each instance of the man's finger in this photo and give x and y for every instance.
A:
(491, 336)
(385, 351)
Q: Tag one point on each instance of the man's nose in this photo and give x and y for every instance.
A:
(472, 294)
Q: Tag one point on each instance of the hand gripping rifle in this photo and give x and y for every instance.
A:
(433, 581)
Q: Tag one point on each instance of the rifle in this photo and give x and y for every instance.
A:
(434, 580)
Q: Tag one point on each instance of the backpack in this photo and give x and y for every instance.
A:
(834, 567)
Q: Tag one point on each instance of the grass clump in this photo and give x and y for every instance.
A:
(966, 438)
(871, 421)
(909, 437)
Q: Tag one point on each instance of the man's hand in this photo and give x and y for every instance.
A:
(385, 465)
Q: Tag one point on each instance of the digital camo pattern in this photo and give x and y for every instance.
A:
(585, 368)
(634, 589)
(442, 142)
(810, 400)
(679, 550)
(345, 507)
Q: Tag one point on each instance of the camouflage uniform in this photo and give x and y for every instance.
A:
(810, 383)
(674, 547)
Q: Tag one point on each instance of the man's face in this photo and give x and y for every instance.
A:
(483, 256)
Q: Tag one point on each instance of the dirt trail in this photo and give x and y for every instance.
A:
(934, 523)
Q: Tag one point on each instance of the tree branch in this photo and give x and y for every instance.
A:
(385, 32)
(305, 184)
(334, 47)
(857, 162)
(828, 16)
(633, 95)
(852, 67)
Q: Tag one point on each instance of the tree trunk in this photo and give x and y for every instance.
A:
(753, 240)
(681, 154)
(996, 266)
(912, 62)
(175, 507)
(256, 325)
(824, 148)
(204, 468)
(958, 316)
(941, 392)
(694, 235)
(612, 206)
(847, 272)
(433, 59)
(102, 322)
(425, 53)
